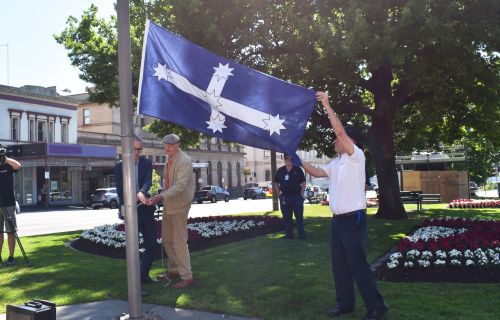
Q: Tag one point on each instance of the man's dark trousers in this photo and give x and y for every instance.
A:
(348, 254)
(147, 227)
(293, 205)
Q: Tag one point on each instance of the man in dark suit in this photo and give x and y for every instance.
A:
(145, 214)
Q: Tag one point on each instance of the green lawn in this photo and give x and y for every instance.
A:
(266, 277)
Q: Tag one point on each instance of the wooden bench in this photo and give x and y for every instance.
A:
(411, 197)
(419, 198)
(431, 198)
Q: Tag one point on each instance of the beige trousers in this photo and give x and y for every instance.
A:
(175, 236)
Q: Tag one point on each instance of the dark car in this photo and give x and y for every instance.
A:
(104, 197)
(211, 193)
(254, 193)
(473, 188)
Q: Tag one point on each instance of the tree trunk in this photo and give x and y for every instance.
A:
(381, 143)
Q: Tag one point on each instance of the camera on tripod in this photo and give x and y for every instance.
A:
(3, 154)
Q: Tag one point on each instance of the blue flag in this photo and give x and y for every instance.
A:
(194, 88)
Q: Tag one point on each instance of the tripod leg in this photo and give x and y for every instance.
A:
(26, 260)
(7, 218)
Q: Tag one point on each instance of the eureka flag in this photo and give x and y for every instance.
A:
(194, 88)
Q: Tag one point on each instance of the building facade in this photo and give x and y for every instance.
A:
(39, 128)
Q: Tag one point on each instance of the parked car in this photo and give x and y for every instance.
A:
(104, 197)
(254, 193)
(211, 193)
(473, 188)
(314, 194)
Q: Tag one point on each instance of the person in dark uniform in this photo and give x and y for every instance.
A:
(145, 213)
(290, 183)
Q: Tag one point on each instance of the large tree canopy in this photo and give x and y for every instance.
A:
(412, 73)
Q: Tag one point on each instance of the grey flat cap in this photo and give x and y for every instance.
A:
(171, 139)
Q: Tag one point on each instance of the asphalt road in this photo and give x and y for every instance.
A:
(72, 219)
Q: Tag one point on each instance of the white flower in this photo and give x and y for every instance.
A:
(468, 254)
(396, 256)
(469, 262)
(412, 254)
(427, 255)
(393, 264)
(455, 262)
(424, 263)
(455, 253)
(434, 232)
(483, 261)
(441, 254)
(408, 264)
(440, 262)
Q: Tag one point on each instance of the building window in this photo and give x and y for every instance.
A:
(64, 132)
(60, 185)
(42, 131)
(267, 153)
(86, 116)
(32, 136)
(52, 133)
(15, 128)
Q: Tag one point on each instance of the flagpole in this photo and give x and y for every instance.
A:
(126, 115)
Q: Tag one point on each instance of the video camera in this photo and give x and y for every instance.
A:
(3, 154)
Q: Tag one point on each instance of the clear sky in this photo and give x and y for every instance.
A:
(33, 56)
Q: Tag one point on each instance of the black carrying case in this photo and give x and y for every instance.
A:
(33, 310)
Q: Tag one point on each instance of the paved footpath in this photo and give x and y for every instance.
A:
(113, 309)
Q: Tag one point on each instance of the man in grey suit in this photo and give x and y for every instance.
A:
(177, 196)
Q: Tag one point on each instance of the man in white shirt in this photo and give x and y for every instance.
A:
(348, 205)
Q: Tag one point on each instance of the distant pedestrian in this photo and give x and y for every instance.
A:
(290, 183)
(348, 227)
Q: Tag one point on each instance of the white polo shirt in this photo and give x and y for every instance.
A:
(347, 182)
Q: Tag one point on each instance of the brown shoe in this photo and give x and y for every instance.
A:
(183, 283)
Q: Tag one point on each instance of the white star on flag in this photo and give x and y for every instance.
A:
(274, 124)
(216, 124)
(223, 71)
(162, 72)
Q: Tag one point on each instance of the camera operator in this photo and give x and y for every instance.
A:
(8, 203)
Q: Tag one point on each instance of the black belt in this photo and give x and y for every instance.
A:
(348, 214)
(291, 195)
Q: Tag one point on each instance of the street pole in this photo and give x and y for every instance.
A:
(126, 112)
(273, 174)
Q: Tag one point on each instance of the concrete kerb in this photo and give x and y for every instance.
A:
(113, 310)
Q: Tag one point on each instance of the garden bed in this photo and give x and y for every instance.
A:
(446, 250)
(203, 233)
